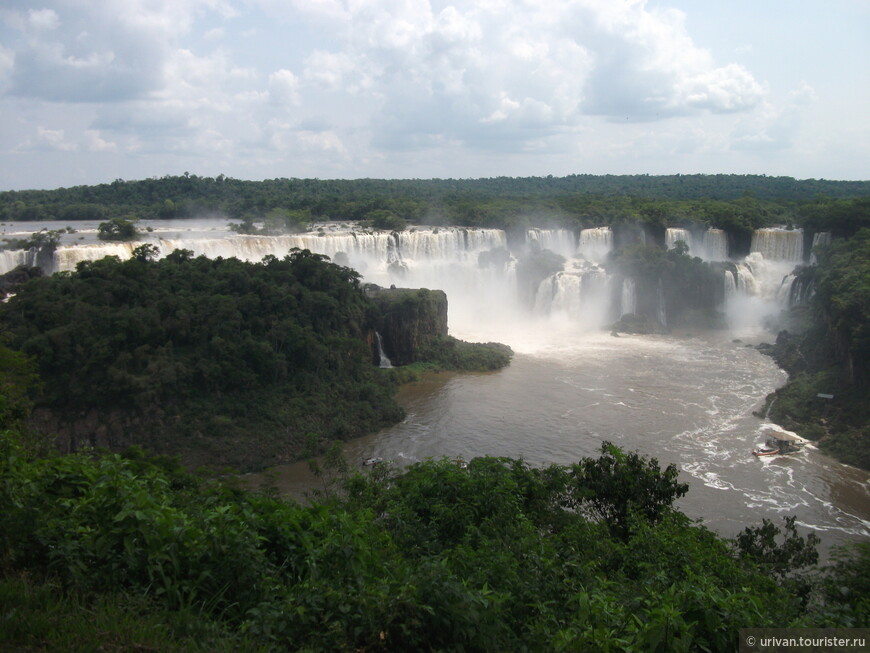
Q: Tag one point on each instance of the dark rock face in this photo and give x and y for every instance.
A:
(14, 278)
(407, 319)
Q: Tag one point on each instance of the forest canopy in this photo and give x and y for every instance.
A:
(733, 202)
(189, 354)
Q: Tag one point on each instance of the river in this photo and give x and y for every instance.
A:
(684, 398)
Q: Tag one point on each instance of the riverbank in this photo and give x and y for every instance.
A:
(818, 402)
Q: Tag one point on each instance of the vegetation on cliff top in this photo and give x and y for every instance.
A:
(203, 357)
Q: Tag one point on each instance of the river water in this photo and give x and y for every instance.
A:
(684, 398)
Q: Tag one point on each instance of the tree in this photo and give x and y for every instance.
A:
(794, 552)
(146, 252)
(618, 485)
(681, 248)
(386, 220)
(285, 221)
(119, 229)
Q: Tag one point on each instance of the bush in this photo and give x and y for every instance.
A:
(119, 229)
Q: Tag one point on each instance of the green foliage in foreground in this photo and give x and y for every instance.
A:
(492, 556)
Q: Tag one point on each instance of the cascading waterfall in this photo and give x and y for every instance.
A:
(580, 294)
(628, 297)
(361, 248)
(662, 310)
(560, 241)
(778, 244)
(674, 234)
(820, 238)
(595, 244)
(474, 267)
(66, 258)
(10, 259)
(765, 276)
(715, 245)
(383, 359)
(730, 284)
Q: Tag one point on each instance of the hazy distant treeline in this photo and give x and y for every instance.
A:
(726, 201)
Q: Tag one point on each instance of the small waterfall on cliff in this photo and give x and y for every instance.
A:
(673, 234)
(715, 245)
(762, 287)
(579, 295)
(662, 309)
(11, 259)
(560, 241)
(628, 297)
(820, 238)
(730, 284)
(384, 361)
(595, 244)
(779, 244)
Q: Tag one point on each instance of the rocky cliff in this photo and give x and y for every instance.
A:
(408, 319)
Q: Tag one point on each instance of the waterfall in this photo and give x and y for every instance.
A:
(580, 294)
(596, 243)
(730, 284)
(662, 310)
(361, 248)
(12, 258)
(560, 241)
(820, 238)
(672, 235)
(715, 245)
(779, 244)
(66, 257)
(383, 360)
(628, 298)
(475, 268)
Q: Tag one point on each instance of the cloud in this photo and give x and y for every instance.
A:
(94, 142)
(284, 87)
(773, 127)
(108, 51)
(43, 19)
(506, 73)
(7, 62)
(346, 82)
(334, 71)
(52, 139)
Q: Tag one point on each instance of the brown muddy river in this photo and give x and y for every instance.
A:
(685, 399)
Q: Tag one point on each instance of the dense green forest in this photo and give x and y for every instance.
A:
(221, 361)
(829, 354)
(733, 202)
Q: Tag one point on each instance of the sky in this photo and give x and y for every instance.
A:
(97, 90)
